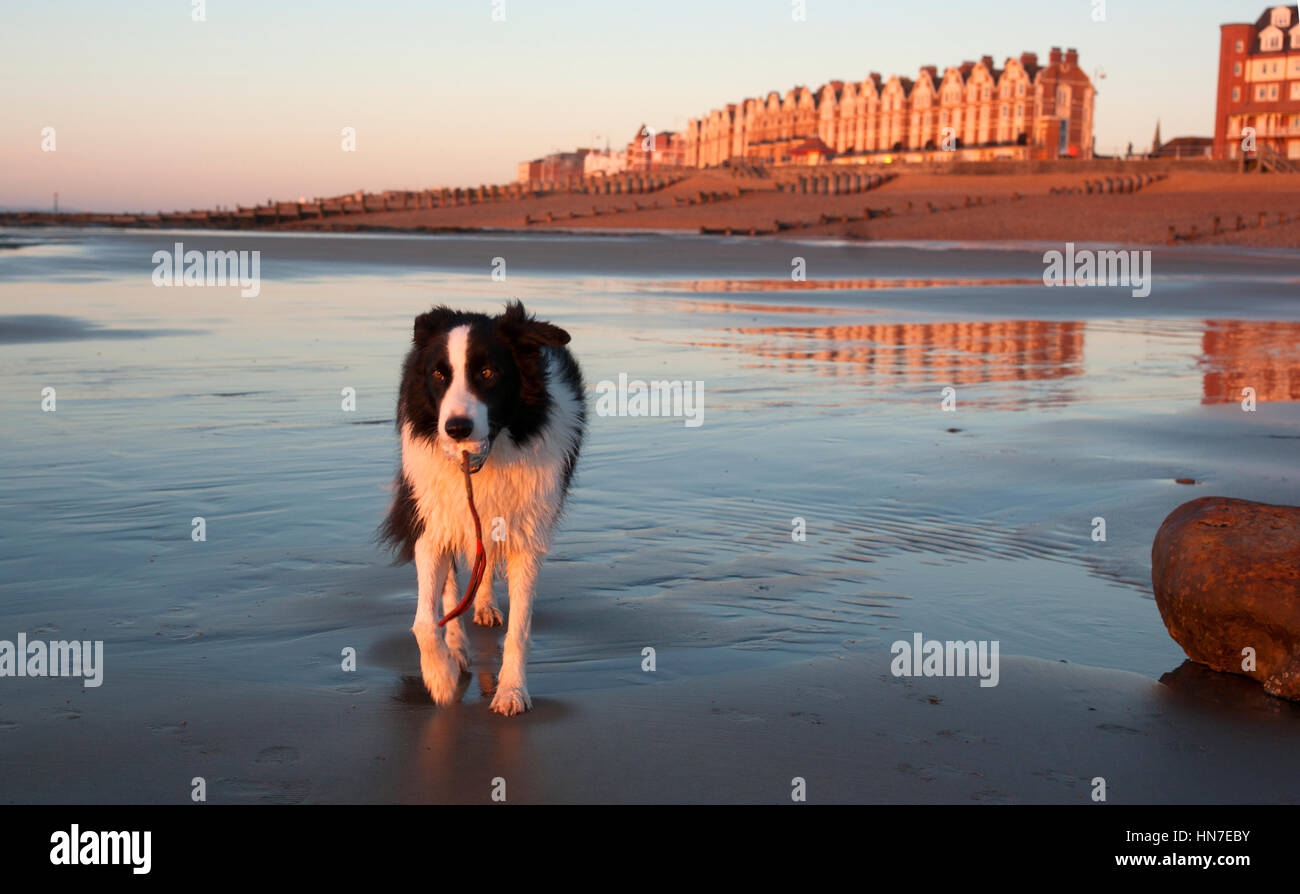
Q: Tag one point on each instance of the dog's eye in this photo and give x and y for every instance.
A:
(439, 376)
(488, 373)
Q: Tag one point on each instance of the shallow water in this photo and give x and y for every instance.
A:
(821, 402)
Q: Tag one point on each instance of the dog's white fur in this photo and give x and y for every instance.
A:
(521, 486)
(459, 400)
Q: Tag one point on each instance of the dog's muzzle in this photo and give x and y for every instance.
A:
(476, 450)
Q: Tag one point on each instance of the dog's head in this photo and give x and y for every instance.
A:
(470, 376)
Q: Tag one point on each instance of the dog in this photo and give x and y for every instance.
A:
(507, 393)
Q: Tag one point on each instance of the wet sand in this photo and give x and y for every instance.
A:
(223, 658)
(850, 730)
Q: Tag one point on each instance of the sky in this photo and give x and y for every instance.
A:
(152, 110)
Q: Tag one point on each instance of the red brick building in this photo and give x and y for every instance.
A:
(649, 151)
(1259, 84)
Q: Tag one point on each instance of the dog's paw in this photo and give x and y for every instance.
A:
(488, 615)
(510, 701)
(440, 677)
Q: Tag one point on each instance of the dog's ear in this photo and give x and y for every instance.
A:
(525, 332)
(430, 323)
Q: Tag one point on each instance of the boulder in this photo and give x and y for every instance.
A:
(1226, 576)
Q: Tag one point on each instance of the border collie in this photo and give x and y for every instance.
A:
(505, 391)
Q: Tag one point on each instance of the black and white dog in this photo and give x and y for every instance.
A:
(506, 391)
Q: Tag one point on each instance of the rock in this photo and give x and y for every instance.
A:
(1226, 576)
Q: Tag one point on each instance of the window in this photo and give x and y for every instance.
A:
(1295, 39)
(1020, 91)
(986, 92)
(1236, 94)
(1020, 108)
(1006, 111)
(1236, 69)
(1295, 90)
(1261, 93)
(1281, 16)
(1239, 47)
(1270, 42)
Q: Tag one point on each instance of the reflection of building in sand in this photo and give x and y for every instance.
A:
(934, 354)
(1239, 354)
(827, 285)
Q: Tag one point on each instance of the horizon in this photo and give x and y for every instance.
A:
(129, 92)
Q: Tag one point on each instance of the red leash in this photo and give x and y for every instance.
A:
(480, 560)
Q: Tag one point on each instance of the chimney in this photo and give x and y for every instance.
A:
(1072, 56)
(1055, 56)
(988, 62)
(1028, 60)
(931, 70)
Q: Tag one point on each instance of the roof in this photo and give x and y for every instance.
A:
(812, 145)
(1266, 18)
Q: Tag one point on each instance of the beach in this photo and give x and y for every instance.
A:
(1135, 203)
(914, 206)
(823, 402)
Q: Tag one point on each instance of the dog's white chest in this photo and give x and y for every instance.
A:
(518, 493)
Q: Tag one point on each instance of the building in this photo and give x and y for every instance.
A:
(529, 171)
(563, 166)
(973, 111)
(1184, 147)
(604, 163)
(559, 167)
(650, 150)
(1259, 85)
(647, 151)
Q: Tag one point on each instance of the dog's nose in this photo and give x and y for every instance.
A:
(458, 428)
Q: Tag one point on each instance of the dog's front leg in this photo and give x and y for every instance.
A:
(512, 683)
(437, 666)
(486, 613)
(457, 643)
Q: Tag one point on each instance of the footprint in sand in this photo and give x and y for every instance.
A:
(277, 754)
(288, 792)
(166, 728)
(1118, 728)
